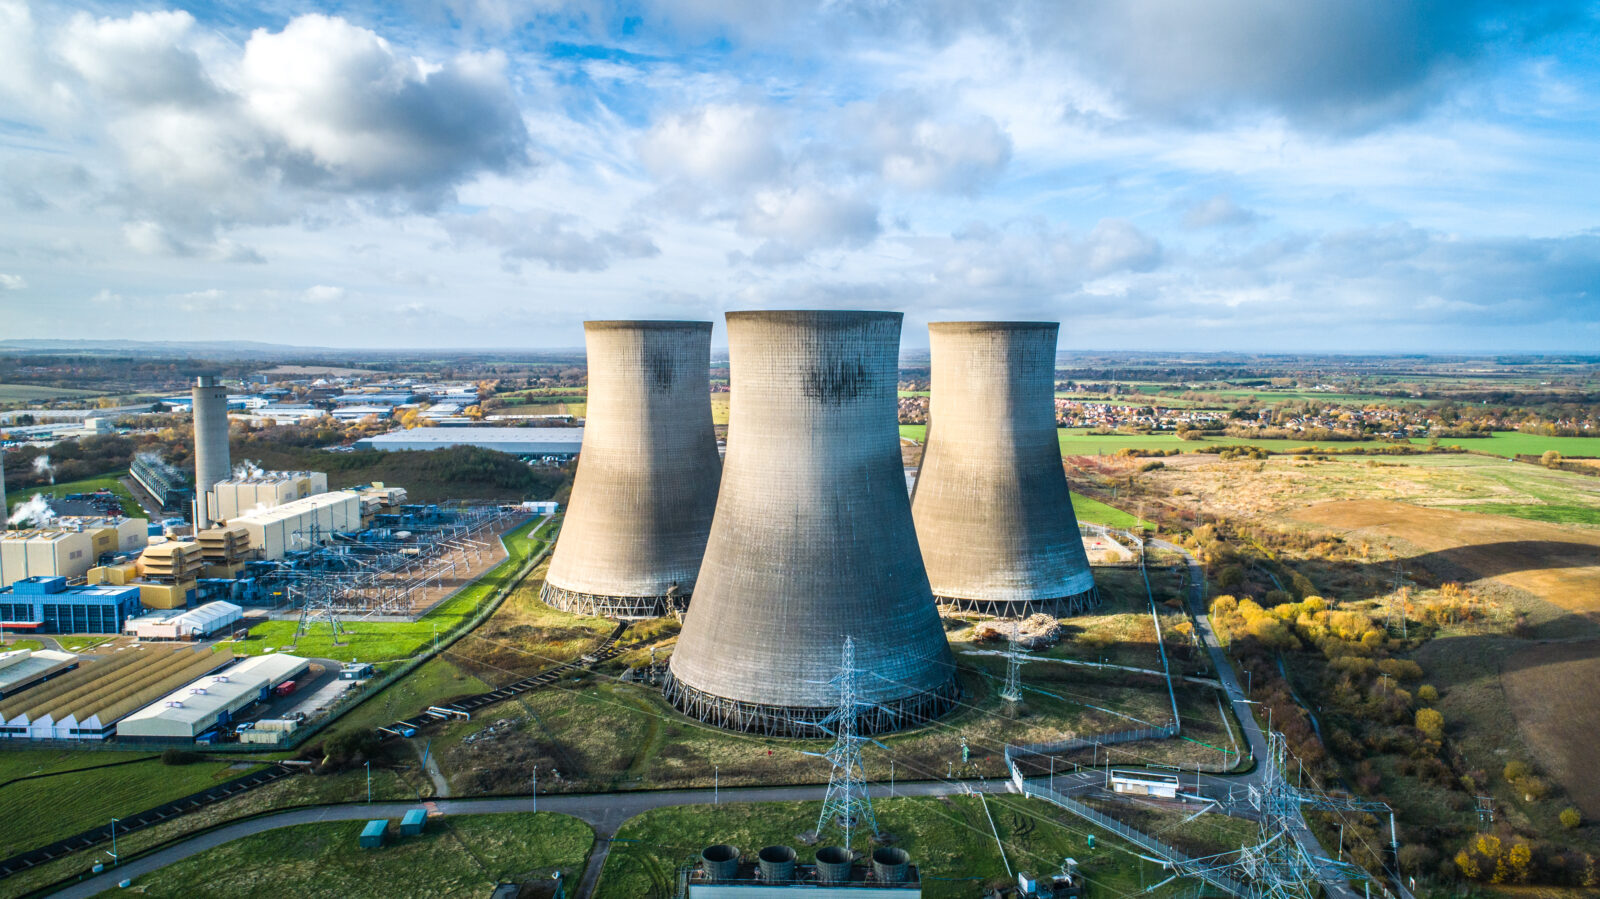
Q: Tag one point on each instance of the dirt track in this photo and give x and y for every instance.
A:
(1558, 564)
(1556, 720)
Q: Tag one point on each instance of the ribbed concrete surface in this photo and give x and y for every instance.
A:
(646, 483)
(212, 462)
(813, 537)
(993, 513)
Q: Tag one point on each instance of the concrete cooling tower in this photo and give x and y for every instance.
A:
(646, 485)
(211, 460)
(812, 540)
(994, 517)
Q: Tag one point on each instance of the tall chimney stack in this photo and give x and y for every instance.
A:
(211, 460)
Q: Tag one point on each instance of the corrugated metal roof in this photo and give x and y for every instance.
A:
(197, 704)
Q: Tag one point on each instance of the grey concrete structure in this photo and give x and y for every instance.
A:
(211, 459)
(646, 485)
(812, 540)
(993, 513)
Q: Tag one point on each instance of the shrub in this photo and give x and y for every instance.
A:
(1533, 788)
(1516, 770)
(1152, 466)
(1571, 818)
(1428, 693)
(1431, 723)
(177, 756)
(1399, 669)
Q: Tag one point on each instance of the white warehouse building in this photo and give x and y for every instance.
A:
(212, 700)
(194, 624)
(561, 443)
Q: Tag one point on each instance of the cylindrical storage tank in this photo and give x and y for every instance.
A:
(833, 864)
(646, 484)
(777, 864)
(812, 540)
(211, 460)
(993, 513)
(720, 862)
(890, 865)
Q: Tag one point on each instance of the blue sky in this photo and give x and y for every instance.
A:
(1356, 175)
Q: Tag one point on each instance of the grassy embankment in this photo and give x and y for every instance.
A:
(29, 393)
(948, 839)
(380, 641)
(455, 856)
(45, 809)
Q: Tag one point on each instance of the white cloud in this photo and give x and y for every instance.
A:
(323, 293)
(548, 237)
(725, 145)
(12, 282)
(900, 138)
(1217, 211)
(797, 220)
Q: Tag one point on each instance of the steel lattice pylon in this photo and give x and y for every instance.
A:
(846, 803)
(1012, 692)
(1277, 865)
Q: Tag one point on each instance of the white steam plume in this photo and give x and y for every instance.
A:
(35, 511)
(247, 469)
(41, 464)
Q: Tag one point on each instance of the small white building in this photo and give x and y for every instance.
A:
(212, 700)
(195, 624)
(1145, 783)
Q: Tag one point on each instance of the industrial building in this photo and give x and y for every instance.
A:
(167, 483)
(23, 668)
(193, 624)
(812, 541)
(87, 703)
(68, 549)
(192, 711)
(722, 874)
(528, 443)
(211, 454)
(301, 524)
(993, 513)
(646, 484)
(264, 490)
(46, 605)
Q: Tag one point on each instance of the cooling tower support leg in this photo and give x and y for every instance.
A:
(624, 607)
(1060, 607)
(796, 721)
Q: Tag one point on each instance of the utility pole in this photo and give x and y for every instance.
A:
(369, 783)
(716, 784)
(115, 859)
(535, 787)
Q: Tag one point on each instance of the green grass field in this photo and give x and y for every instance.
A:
(110, 482)
(455, 856)
(948, 839)
(1079, 442)
(381, 641)
(1095, 512)
(45, 809)
(27, 393)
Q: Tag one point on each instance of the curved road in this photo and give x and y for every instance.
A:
(606, 812)
(1257, 741)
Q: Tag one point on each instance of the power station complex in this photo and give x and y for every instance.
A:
(813, 540)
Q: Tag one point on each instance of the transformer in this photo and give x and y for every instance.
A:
(646, 484)
(993, 513)
(812, 541)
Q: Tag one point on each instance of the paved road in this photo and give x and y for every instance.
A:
(1252, 731)
(606, 812)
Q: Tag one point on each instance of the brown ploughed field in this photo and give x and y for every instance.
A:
(1551, 688)
(1560, 565)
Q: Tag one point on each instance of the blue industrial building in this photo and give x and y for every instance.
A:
(47, 605)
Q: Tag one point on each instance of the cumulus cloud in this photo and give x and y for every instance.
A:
(901, 138)
(548, 237)
(324, 109)
(12, 282)
(1347, 66)
(796, 221)
(724, 145)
